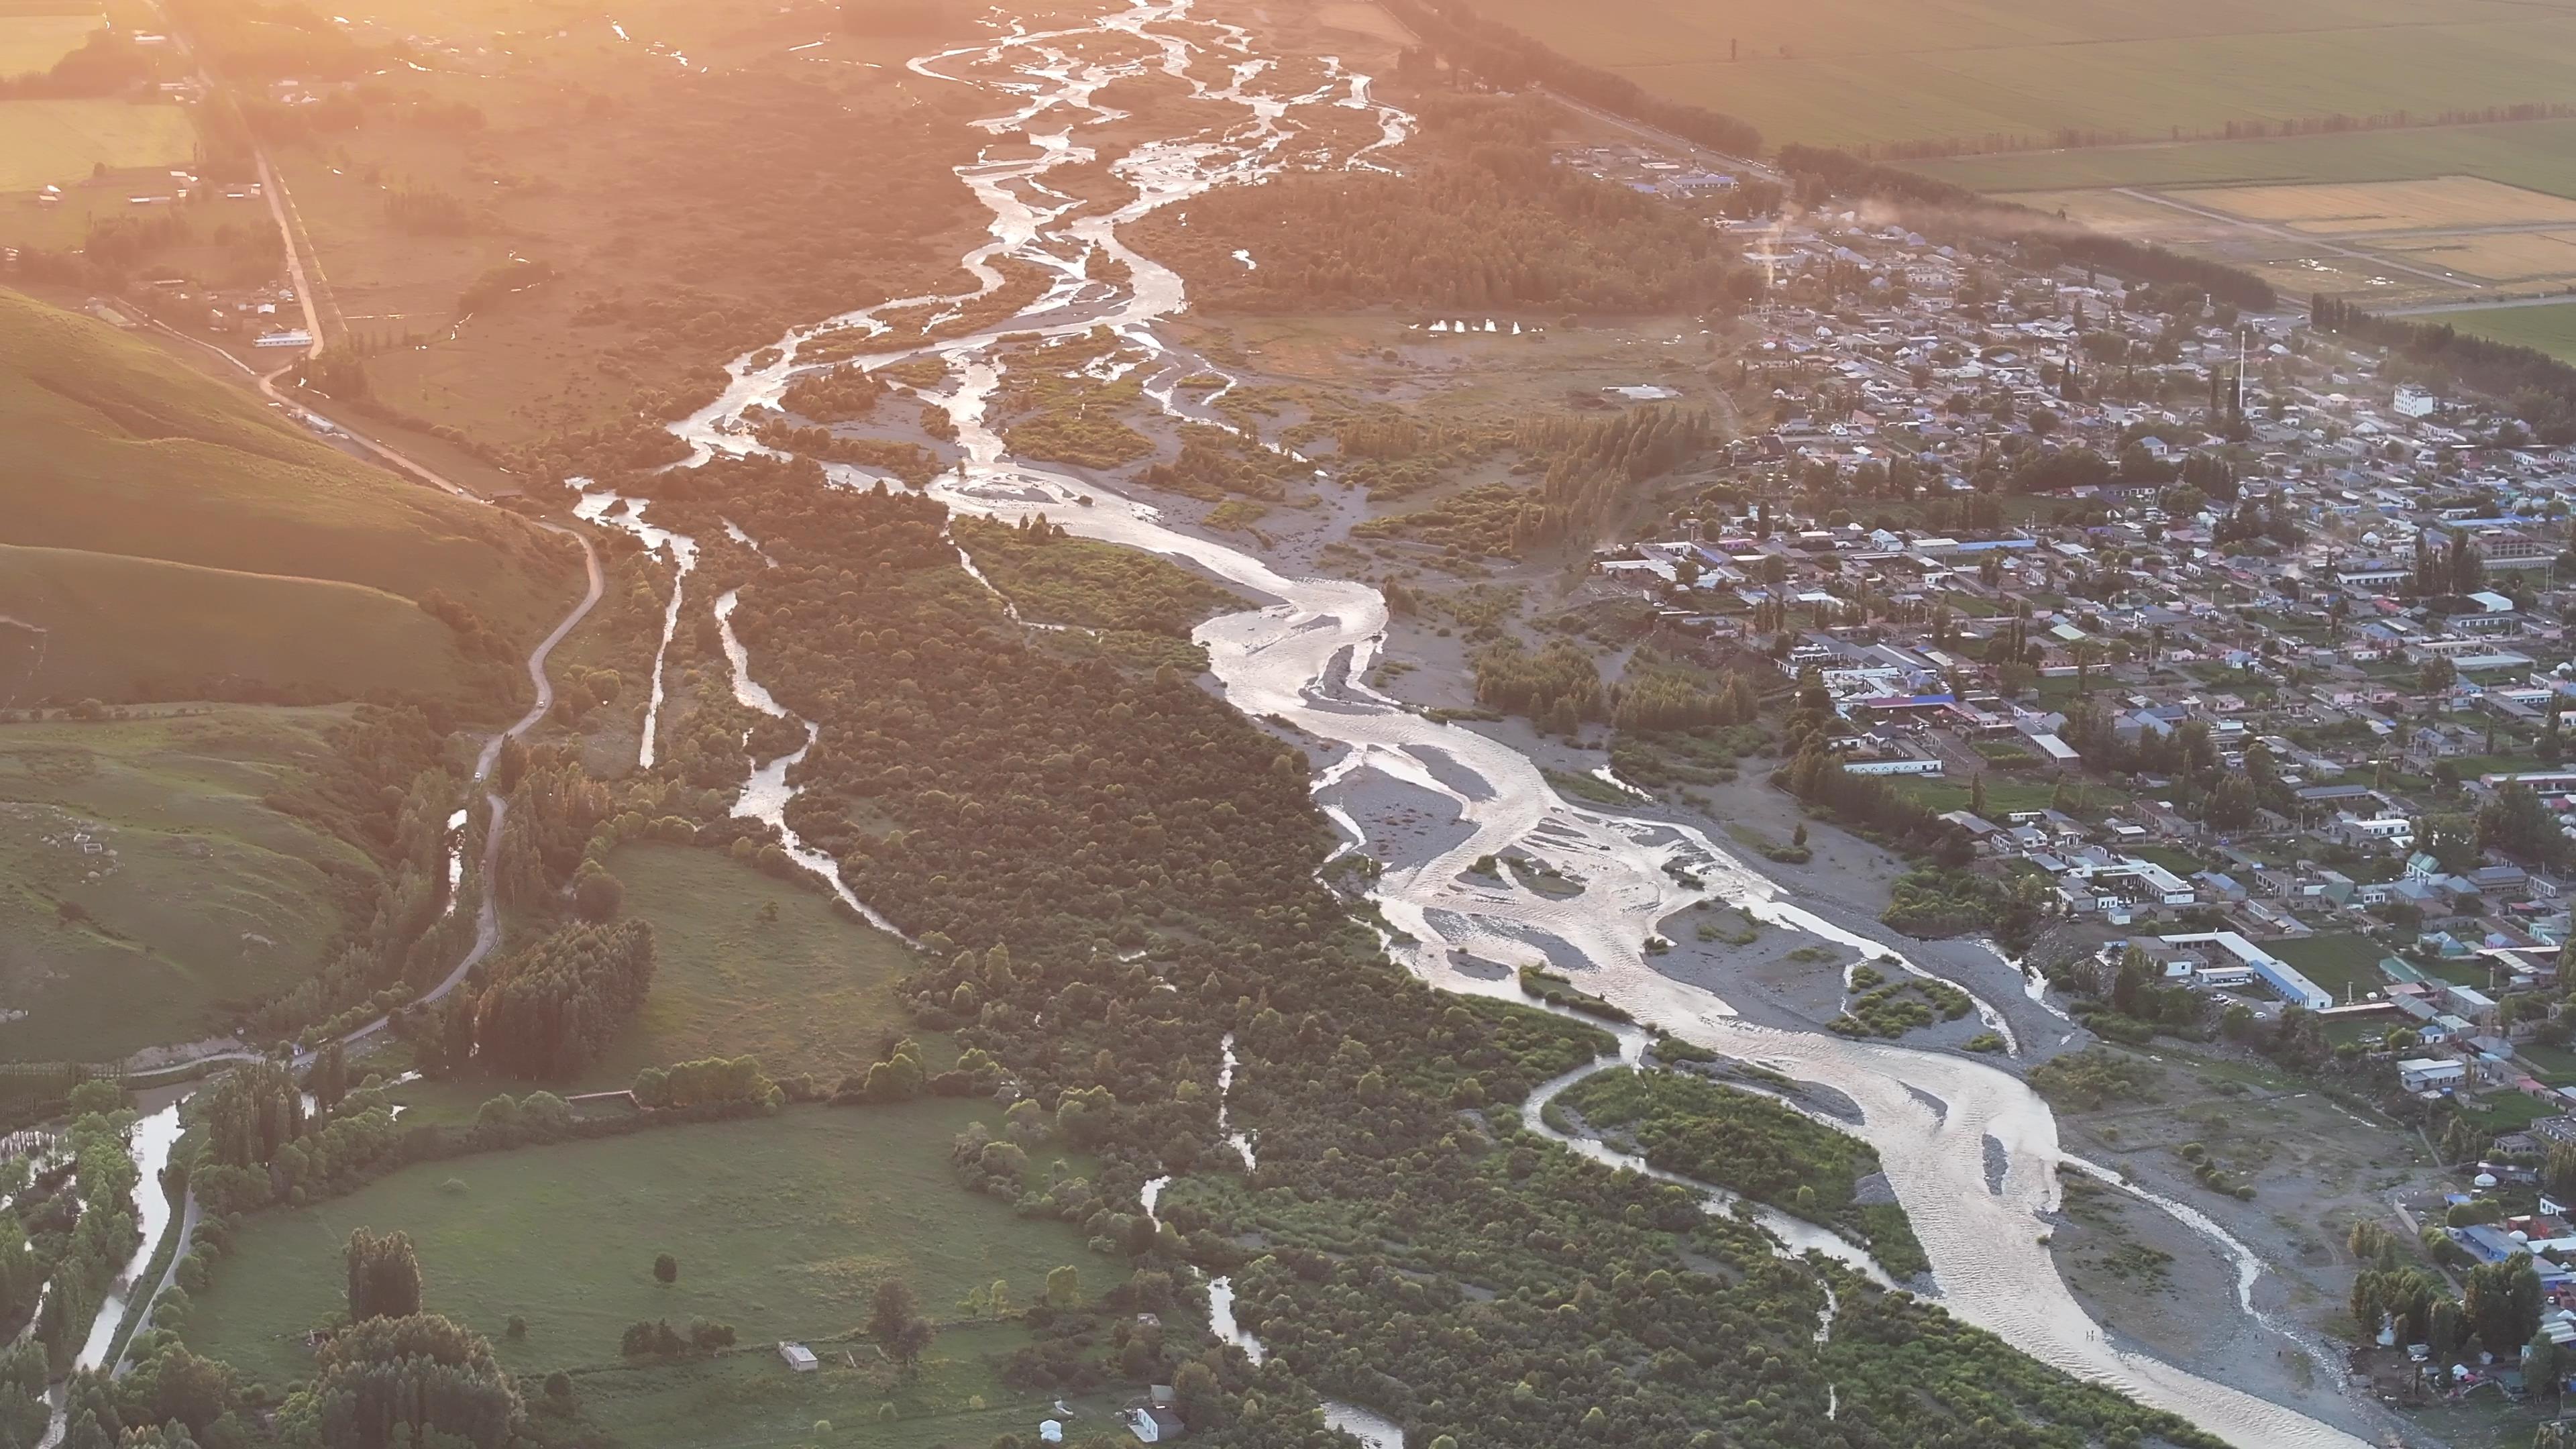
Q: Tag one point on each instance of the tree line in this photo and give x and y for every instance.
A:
(1941, 209)
(1483, 219)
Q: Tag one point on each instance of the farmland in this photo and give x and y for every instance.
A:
(1850, 72)
(32, 42)
(197, 892)
(59, 142)
(2537, 155)
(782, 1227)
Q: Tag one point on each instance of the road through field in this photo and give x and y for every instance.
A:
(2447, 279)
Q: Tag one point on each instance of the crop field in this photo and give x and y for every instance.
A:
(196, 892)
(1848, 72)
(2454, 237)
(33, 42)
(783, 1226)
(2437, 203)
(57, 142)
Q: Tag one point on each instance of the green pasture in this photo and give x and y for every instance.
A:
(783, 1226)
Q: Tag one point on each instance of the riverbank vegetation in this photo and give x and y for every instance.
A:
(1752, 1145)
(1483, 218)
(1055, 578)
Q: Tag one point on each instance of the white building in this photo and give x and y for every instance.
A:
(2431, 1074)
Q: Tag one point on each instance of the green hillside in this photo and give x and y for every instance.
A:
(119, 449)
(145, 883)
(120, 628)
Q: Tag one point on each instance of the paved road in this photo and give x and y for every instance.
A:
(487, 925)
(1714, 160)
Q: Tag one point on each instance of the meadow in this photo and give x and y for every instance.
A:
(783, 1226)
(59, 142)
(198, 894)
(1855, 72)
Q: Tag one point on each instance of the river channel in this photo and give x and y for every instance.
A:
(1935, 1119)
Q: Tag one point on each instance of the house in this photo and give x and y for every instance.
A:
(2275, 973)
(799, 1357)
(2485, 1243)
(1154, 1425)
(2431, 1074)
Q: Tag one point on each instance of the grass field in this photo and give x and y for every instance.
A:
(58, 142)
(2004, 796)
(2341, 964)
(1858, 71)
(2550, 328)
(782, 1225)
(807, 992)
(31, 43)
(804, 992)
(117, 448)
(197, 894)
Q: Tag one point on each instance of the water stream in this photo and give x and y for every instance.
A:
(765, 794)
(599, 505)
(1375, 1431)
(151, 1140)
(1929, 1115)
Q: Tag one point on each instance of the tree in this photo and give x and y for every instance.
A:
(666, 1269)
(596, 894)
(892, 1305)
(895, 1322)
(389, 1382)
(384, 1276)
(2501, 1301)
(2540, 1365)
(2517, 823)
(329, 1079)
(1064, 1286)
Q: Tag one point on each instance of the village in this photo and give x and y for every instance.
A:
(2063, 551)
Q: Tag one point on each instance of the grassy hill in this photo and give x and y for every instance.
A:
(145, 885)
(138, 628)
(299, 556)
